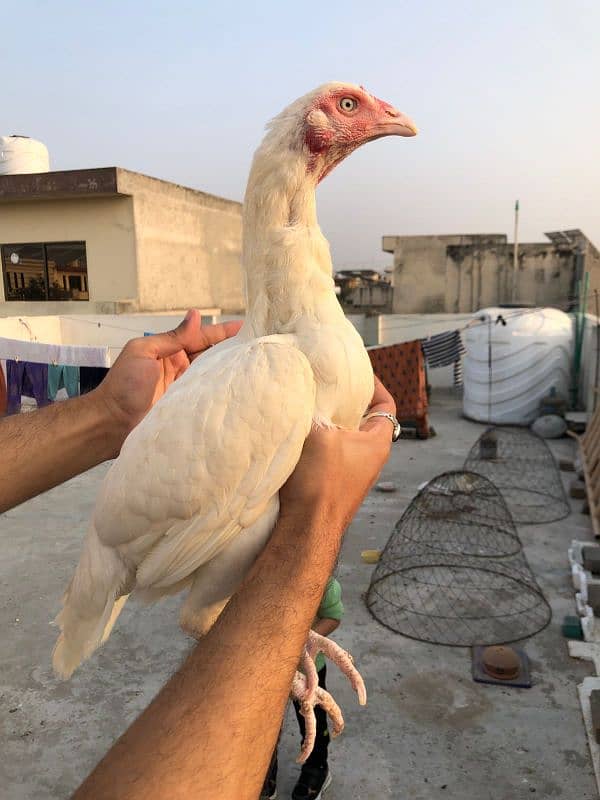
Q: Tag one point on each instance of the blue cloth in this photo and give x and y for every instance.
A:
(26, 378)
(62, 377)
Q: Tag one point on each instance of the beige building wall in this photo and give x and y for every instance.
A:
(463, 273)
(104, 223)
(188, 246)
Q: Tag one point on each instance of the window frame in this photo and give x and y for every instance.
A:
(44, 246)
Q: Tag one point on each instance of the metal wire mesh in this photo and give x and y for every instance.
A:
(453, 571)
(521, 465)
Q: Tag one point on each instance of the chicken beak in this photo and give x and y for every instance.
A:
(396, 124)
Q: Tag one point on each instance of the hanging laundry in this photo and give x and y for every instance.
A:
(41, 353)
(443, 349)
(90, 377)
(3, 394)
(26, 378)
(62, 377)
(401, 369)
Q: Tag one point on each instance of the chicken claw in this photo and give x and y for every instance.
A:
(307, 692)
(321, 644)
(307, 709)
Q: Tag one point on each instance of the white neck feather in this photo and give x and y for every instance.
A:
(285, 256)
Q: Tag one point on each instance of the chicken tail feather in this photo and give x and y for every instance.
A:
(93, 601)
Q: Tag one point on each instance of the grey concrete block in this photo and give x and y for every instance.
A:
(593, 592)
(595, 707)
(591, 558)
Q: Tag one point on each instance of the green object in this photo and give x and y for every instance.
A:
(60, 377)
(582, 294)
(571, 628)
(331, 608)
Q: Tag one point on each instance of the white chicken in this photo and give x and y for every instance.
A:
(193, 496)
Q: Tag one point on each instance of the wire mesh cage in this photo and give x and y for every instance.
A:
(521, 465)
(453, 571)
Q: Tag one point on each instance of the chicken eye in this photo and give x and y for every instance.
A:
(348, 104)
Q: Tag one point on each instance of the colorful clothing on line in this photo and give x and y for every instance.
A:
(26, 378)
(62, 377)
(3, 394)
(90, 377)
(443, 349)
(401, 369)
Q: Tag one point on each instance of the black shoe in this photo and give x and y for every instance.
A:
(269, 790)
(312, 783)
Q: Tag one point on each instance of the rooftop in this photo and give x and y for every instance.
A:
(428, 730)
(89, 183)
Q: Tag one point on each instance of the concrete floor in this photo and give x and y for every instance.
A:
(428, 731)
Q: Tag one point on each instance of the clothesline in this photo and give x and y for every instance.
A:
(56, 354)
(42, 382)
(440, 350)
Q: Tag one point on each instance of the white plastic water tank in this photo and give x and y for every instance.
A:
(20, 155)
(530, 354)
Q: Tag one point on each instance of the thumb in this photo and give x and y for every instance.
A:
(184, 337)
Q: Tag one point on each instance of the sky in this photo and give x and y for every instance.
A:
(505, 95)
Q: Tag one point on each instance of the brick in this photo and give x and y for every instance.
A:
(591, 558)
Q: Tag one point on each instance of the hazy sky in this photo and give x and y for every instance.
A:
(506, 95)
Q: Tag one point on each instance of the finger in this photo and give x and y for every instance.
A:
(188, 336)
(382, 400)
(180, 363)
(380, 428)
(213, 334)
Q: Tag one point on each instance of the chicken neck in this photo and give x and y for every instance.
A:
(286, 258)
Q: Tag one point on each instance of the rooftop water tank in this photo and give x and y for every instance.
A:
(20, 155)
(531, 352)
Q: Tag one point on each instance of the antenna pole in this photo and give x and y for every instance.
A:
(515, 255)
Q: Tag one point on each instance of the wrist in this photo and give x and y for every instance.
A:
(113, 428)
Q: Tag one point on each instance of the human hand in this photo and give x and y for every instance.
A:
(147, 366)
(337, 468)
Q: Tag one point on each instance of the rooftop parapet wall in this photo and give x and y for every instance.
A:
(457, 274)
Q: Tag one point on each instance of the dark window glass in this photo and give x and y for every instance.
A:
(28, 263)
(55, 271)
(67, 265)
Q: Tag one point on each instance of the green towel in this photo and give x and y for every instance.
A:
(59, 377)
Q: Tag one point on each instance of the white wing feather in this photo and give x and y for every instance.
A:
(202, 467)
(238, 430)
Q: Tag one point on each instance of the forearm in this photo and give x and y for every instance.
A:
(46, 447)
(212, 729)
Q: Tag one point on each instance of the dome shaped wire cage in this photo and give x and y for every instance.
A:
(453, 571)
(521, 465)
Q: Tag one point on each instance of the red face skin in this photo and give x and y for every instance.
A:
(341, 121)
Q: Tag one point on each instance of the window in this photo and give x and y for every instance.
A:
(54, 271)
